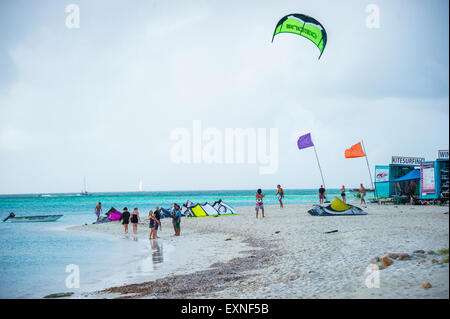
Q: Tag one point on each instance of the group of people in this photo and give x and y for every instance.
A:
(362, 191)
(154, 219)
(322, 196)
(259, 200)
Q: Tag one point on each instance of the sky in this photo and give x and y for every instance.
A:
(103, 101)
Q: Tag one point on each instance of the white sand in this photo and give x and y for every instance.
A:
(317, 265)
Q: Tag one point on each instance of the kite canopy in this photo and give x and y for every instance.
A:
(304, 26)
(113, 214)
(219, 208)
(336, 208)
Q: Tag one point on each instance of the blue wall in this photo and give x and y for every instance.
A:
(382, 187)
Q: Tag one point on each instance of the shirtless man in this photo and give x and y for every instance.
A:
(98, 210)
(362, 191)
(280, 195)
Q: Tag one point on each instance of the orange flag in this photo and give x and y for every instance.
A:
(355, 151)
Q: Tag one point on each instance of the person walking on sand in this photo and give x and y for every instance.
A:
(280, 195)
(362, 191)
(98, 210)
(343, 193)
(176, 219)
(135, 219)
(125, 218)
(152, 223)
(259, 202)
(321, 195)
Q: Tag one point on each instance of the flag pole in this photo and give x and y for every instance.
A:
(318, 163)
(368, 167)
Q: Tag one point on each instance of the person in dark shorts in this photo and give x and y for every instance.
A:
(343, 193)
(135, 219)
(158, 221)
(321, 194)
(125, 218)
(152, 222)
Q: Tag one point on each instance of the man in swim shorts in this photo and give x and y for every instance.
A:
(280, 195)
(321, 194)
(98, 210)
(362, 191)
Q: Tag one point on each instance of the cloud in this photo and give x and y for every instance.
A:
(102, 100)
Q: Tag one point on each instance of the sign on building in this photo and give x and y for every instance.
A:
(402, 160)
(443, 154)
(427, 178)
(381, 175)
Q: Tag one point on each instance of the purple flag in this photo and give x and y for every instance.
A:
(304, 141)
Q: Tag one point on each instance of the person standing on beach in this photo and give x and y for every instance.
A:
(259, 202)
(362, 191)
(135, 219)
(158, 221)
(343, 193)
(280, 195)
(176, 219)
(412, 192)
(125, 218)
(98, 210)
(152, 223)
(321, 194)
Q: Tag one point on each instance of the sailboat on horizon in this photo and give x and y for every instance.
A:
(84, 192)
(140, 186)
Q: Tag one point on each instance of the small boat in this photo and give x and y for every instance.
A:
(84, 192)
(46, 218)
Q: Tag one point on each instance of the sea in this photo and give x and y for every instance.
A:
(38, 259)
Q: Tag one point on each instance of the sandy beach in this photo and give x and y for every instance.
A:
(288, 254)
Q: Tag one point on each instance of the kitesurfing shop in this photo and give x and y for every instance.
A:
(408, 177)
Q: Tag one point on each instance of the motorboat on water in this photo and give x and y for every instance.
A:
(21, 219)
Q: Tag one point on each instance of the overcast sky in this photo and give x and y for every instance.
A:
(101, 100)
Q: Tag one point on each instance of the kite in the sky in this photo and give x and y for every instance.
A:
(304, 26)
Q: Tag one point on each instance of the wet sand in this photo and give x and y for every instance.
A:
(288, 254)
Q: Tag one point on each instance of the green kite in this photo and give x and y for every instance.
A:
(304, 26)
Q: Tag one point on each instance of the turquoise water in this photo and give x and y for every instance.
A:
(34, 256)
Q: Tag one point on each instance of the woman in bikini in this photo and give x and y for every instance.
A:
(259, 202)
(151, 225)
(135, 219)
